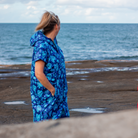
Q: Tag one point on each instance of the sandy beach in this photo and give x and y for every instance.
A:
(109, 85)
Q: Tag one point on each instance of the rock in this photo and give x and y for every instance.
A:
(114, 90)
(122, 124)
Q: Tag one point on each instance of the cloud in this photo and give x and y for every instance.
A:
(97, 10)
(32, 5)
(32, 9)
(132, 4)
(15, 1)
(4, 7)
(88, 11)
(92, 11)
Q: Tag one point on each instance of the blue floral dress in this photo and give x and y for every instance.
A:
(45, 106)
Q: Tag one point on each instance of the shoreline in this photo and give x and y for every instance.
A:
(112, 90)
(73, 67)
(79, 61)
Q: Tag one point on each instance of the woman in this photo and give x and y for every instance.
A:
(48, 74)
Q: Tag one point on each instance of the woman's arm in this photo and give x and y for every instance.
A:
(39, 68)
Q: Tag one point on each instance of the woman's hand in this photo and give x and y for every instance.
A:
(39, 68)
(53, 92)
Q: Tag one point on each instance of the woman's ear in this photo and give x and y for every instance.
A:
(56, 26)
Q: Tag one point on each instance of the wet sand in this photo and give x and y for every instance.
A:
(110, 85)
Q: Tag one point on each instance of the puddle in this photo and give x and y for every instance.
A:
(83, 79)
(15, 102)
(69, 82)
(73, 63)
(99, 81)
(83, 76)
(12, 70)
(15, 74)
(2, 78)
(89, 110)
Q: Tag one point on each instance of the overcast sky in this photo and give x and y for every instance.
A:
(70, 11)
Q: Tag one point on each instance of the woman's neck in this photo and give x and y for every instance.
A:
(51, 36)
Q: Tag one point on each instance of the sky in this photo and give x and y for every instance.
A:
(70, 11)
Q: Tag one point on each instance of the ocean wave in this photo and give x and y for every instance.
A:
(78, 42)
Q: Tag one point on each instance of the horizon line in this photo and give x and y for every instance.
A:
(61, 23)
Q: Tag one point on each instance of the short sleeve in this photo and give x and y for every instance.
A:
(40, 54)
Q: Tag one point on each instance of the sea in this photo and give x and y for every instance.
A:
(77, 40)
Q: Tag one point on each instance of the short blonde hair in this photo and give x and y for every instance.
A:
(47, 23)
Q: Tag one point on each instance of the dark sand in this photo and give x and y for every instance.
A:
(98, 86)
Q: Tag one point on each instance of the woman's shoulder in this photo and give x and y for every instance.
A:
(39, 40)
(42, 45)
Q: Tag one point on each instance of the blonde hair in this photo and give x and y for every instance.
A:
(47, 23)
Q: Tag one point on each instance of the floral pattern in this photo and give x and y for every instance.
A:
(45, 106)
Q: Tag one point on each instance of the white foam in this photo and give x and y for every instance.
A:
(75, 71)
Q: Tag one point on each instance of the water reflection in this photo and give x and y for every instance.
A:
(89, 110)
(15, 102)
